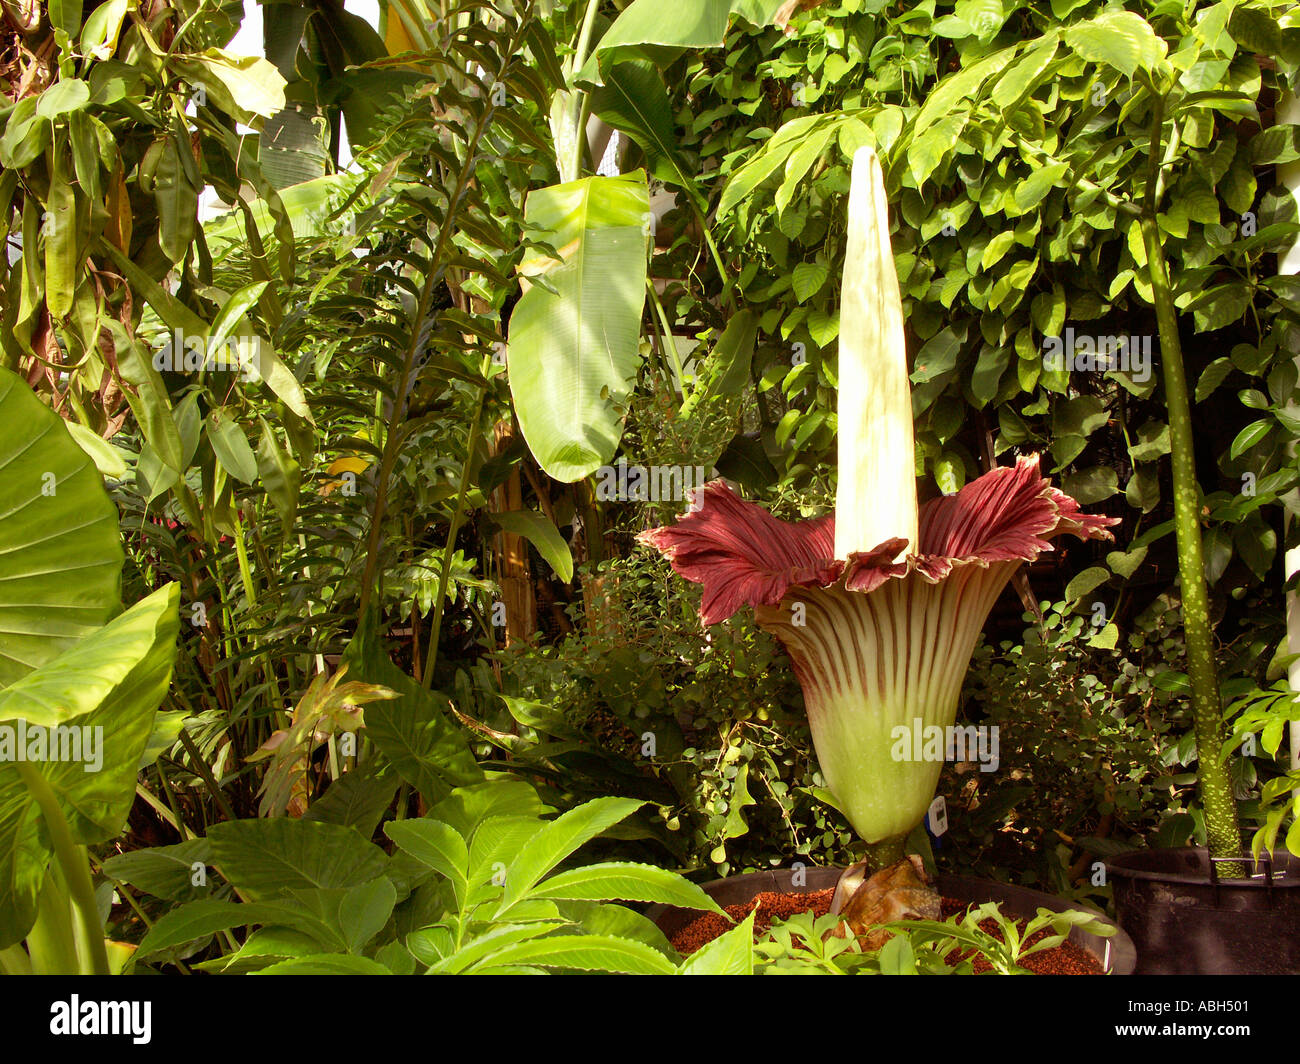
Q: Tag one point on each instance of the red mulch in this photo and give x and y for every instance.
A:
(1065, 959)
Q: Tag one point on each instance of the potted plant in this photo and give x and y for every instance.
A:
(880, 605)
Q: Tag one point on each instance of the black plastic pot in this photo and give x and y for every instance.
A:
(1185, 918)
(1115, 954)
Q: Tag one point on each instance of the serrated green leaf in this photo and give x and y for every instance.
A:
(605, 953)
(808, 279)
(325, 964)
(625, 881)
(558, 839)
(198, 919)
(437, 845)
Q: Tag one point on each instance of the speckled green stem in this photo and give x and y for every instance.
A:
(1222, 831)
(886, 852)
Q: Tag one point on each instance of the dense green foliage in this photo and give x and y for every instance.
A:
(417, 638)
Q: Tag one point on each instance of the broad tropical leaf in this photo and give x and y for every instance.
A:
(60, 555)
(693, 24)
(414, 732)
(163, 871)
(541, 532)
(635, 101)
(573, 350)
(87, 673)
(265, 858)
(197, 919)
(326, 964)
(93, 779)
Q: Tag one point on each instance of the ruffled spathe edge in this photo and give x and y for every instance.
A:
(743, 556)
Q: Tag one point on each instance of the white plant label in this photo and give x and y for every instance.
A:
(937, 814)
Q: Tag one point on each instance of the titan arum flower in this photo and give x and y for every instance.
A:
(880, 605)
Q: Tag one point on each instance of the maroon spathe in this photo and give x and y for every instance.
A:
(743, 556)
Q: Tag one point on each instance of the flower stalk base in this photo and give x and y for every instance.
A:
(886, 852)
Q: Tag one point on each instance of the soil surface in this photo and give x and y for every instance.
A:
(1065, 959)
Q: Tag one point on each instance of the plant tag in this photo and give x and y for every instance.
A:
(937, 816)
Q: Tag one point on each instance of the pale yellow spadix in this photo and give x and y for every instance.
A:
(876, 496)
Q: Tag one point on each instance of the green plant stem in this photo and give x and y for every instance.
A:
(458, 515)
(246, 575)
(119, 886)
(1221, 827)
(158, 807)
(1222, 830)
(182, 828)
(593, 528)
(727, 294)
(580, 145)
(886, 852)
(670, 345)
(584, 36)
(72, 862)
(578, 105)
(765, 419)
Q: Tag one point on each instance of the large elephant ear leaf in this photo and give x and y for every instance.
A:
(60, 552)
(102, 735)
(105, 667)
